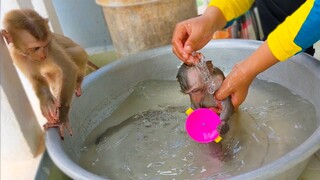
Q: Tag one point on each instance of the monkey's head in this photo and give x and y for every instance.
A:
(29, 33)
(192, 83)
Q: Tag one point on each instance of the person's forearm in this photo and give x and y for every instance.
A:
(215, 17)
(231, 9)
(259, 61)
(239, 79)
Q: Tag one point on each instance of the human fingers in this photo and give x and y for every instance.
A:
(182, 54)
(224, 91)
(178, 54)
(235, 85)
(237, 99)
(180, 35)
(192, 43)
(237, 96)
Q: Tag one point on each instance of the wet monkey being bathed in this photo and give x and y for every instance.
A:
(54, 64)
(192, 83)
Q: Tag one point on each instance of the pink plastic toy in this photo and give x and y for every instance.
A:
(201, 125)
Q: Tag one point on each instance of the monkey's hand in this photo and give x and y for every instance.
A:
(50, 109)
(78, 90)
(223, 127)
(226, 112)
(63, 122)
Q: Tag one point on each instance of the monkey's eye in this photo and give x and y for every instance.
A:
(36, 48)
(196, 90)
(32, 50)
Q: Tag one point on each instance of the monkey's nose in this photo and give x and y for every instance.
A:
(42, 58)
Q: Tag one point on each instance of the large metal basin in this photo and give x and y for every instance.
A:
(108, 87)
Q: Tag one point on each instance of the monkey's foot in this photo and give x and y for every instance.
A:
(60, 127)
(223, 128)
(78, 91)
(215, 109)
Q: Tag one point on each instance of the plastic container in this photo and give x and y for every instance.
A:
(202, 124)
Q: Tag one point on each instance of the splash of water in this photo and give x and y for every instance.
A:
(204, 71)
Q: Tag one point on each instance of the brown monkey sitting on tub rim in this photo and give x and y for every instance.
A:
(54, 64)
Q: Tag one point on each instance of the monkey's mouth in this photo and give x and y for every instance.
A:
(39, 60)
(204, 106)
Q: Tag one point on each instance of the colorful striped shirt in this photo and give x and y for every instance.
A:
(299, 31)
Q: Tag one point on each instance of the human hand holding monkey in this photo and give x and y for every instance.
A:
(202, 94)
(54, 64)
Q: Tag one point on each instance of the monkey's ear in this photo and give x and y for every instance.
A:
(6, 35)
(209, 64)
(46, 20)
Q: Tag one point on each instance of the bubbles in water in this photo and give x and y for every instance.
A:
(211, 87)
(203, 70)
(84, 149)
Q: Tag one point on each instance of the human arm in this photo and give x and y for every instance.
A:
(231, 9)
(297, 32)
(193, 34)
(238, 81)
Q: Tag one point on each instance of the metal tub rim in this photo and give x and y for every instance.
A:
(301, 154)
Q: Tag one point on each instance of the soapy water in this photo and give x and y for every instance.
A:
(204, 71)
(147, 139)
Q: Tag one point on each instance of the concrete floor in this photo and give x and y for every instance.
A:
(312, 171)
(29, 168)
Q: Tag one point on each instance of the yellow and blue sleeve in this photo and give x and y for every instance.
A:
(232, 9)
(298, 32)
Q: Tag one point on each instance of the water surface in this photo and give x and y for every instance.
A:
(145, 137)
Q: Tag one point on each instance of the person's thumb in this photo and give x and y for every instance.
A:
(192, 42)
(222, 93)
(188, 48)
